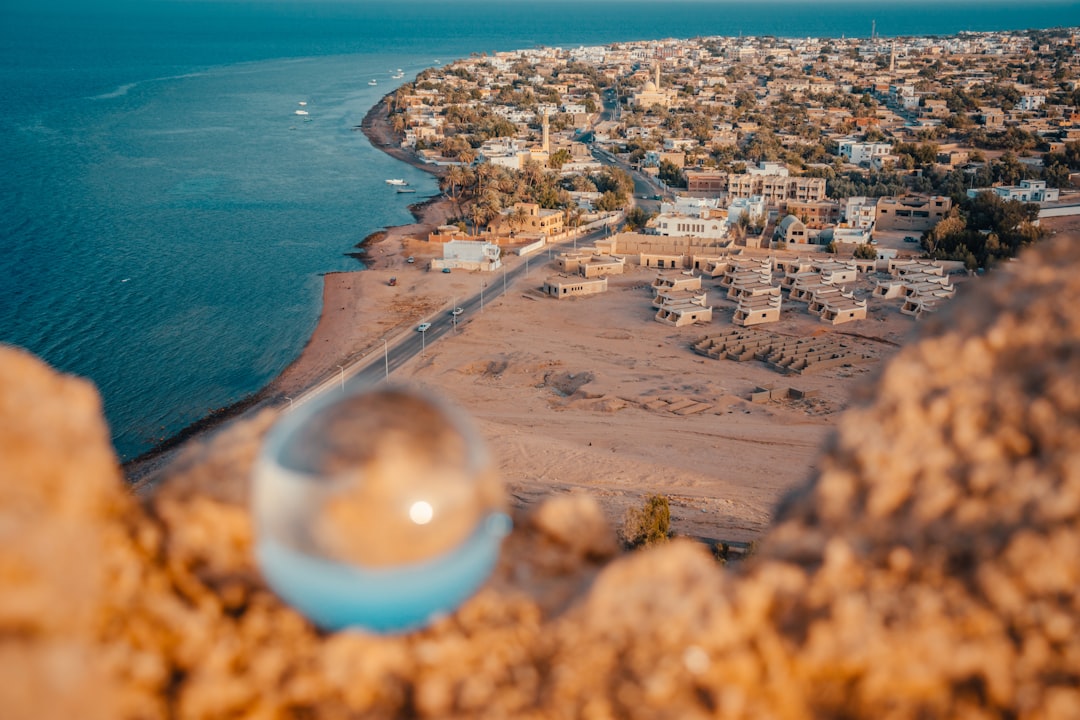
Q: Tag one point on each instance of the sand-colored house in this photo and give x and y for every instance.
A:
(837, 272)
(683, 313)
(822, 296)
(661, 252)
(911, 212)
(598, 265)
(675, 281)
(806, 288)
(672, 298)
(843, 309)
(757, 309)
(918, 306)
(563, 286)
(446, 233)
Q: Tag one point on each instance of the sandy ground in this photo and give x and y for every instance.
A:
(574, 395)
(583, 395)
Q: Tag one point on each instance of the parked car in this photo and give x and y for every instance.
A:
(410, 259)
(446, 270)
(423, 327)
(911, 239)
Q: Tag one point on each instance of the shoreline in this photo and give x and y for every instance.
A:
(351, 321)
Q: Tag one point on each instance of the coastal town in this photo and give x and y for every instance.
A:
(724, 233)
(856, 147)
(701, 247)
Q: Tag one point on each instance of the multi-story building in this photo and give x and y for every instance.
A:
(776, 189)
(859, 153)
(815, 213)
(706, 182)
(860, 212)
(911, 212)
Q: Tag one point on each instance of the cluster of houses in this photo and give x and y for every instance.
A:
(757, 285)
(549, 101)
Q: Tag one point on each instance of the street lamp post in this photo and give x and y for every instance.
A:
(481, 296)
(386, 358)
(342, 369)
(423, 342)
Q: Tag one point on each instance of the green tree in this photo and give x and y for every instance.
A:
(865, 251)
(636, 219)
(649, 524)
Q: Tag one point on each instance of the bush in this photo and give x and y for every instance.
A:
(649, 524)
(865, 251)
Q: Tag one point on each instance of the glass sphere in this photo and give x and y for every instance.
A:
(376, 509)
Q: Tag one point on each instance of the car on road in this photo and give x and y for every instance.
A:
(423, 327)
(910, 239)
(456, 311)
(446, 270)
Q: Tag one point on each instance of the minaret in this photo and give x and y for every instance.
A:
(546, 139)
(657, 76)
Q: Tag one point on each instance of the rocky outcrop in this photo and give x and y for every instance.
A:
(929, 570)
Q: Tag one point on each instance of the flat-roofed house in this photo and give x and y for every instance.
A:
(675, 281)
(911, 212)
(682, 313)
(757, 309)
(565, 286)
(469, 255)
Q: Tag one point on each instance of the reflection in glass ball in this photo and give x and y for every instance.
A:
(377, 509)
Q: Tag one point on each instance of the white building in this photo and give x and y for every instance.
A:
(858, 153)
(773, 169)
(678, 225)
(860, 212)
(753, 207)
(469, 255)
(1027, 191)
(689, 205)
(1030, 103)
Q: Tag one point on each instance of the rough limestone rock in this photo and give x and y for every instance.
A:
(930, 570)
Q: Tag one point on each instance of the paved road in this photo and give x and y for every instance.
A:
(377, 366)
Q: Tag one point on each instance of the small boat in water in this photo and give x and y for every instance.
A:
(372, 81)
(396, 181)
(300, 112)
(405, 190)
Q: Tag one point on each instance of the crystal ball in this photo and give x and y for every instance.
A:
(376, 509)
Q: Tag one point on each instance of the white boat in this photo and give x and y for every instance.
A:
(300, 112)
(372, 81)
(398, 75)
(396, 181)
(302, 103)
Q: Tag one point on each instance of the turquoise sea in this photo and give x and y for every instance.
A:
(166, 216)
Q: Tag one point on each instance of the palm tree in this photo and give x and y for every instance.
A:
(518, 217)
(484, 171)
(452, 183)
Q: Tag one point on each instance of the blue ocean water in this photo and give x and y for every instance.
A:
(166, 216)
